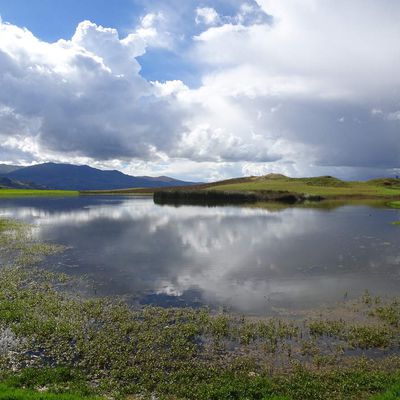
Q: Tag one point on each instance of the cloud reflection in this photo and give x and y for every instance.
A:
(249, 260)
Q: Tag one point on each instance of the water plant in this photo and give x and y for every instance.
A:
(56, 342)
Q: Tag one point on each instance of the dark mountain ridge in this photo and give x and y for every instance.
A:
(83, 177)
(6, 168)
(8, 183)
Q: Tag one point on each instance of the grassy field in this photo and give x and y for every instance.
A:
(325, 186)
(12, 393)
(31, 192)
(55, 342)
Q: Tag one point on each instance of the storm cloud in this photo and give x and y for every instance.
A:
(302, 88)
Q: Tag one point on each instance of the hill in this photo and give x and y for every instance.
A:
(6, 168)
(83, 177)
(13, 184)
(327, 187)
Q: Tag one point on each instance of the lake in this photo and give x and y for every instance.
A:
(244, 260)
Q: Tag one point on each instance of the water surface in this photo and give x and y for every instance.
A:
(244, 259)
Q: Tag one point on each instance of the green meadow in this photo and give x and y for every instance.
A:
(328, 187)
(31, 192)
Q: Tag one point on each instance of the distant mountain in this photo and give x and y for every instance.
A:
(83, 177)
(6, 169)
(8, 183)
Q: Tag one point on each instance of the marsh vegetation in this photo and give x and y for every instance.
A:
(219, 197)
(54, 340)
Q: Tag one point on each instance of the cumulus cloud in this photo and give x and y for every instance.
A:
(322, 63)
(294, 87)
(207, 16)
(246, 15)
(83, 96)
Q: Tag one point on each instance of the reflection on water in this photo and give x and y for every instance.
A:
(248, 260)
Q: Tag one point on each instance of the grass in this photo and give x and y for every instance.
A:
(395, 204)
(392, 394)
(321, 186)
(45, 383)
(218, 197)
(12, 393)
(32, 192)
(119, 192)
(328, 187)
(55, 343)
(18, 246)
(308, 192)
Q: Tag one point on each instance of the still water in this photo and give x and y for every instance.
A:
(243, 259)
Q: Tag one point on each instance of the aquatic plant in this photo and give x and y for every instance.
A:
(56, 340)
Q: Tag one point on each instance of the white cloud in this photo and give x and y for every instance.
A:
(331, 48)
(386, 115)
(207, 16)
(153, 31)
(296, 87)
(82, 97)
(322, 62)
(170, 88)
(394, 116)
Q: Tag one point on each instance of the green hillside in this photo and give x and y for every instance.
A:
(325, 186)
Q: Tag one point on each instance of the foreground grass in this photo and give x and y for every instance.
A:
(392, 394)
(31, 192)
(54, 342)
(53, 339)
(12, 393)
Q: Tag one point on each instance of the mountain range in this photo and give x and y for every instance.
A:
(5, 168)
(77, 177)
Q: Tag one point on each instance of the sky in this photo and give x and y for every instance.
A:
(203, 90)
